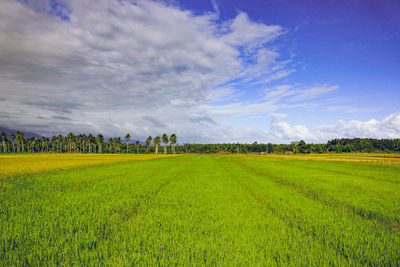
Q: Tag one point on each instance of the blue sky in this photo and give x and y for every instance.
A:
(210, 71)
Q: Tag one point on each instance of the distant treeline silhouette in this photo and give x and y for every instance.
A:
(82, 143)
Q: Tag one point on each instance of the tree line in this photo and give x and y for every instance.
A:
(298, 147)
(82, 143)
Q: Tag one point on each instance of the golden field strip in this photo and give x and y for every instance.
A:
(16, 164)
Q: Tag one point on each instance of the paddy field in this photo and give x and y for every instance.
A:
(286, 210)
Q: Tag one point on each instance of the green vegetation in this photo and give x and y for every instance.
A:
(83, 143)
(204, 210)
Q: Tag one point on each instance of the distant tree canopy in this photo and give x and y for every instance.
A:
(82, 143)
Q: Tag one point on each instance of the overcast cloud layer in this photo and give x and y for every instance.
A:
(147, 68)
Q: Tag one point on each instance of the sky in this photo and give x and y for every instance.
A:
(211, 71)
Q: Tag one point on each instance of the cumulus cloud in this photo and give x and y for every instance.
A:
(117, 66)
(144, 67)
(281, 131)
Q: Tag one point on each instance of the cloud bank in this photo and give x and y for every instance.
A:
(389, 127)
(143, 67)
(146, 68)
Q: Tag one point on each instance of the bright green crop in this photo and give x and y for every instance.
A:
(203, 210)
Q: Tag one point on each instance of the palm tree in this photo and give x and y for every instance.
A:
(42, 143)
(53, 143)
(156, 142)
(148, 143)
(127, 138)
(109, 144)
(33, 142)
(60, 140)
(173, 138)
(99, 141)
(70, 139)
(165, 141)
(137, 145)
(118, 143)
(47, 142)
(20, 137)
(90, 141)
(4, 141)
(12, 138)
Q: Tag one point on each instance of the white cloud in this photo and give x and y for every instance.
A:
(296, 94)
(112, 67)
(245, 32)
(143, 67)
(280, 131)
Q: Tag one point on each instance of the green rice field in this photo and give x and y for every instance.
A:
(229, 210)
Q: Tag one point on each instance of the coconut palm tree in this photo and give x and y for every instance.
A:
(12, 138)
(109, 144)
(53, 143)
(127, 138)
(33, 143)
(47, 142)
(20, 139)
(137, 145)
(173, 138)
(70, 139)
(43, 143)
(165, 141)
(4, 141)
(60, 140)
(99, 141)
(156, 142)
(118, 143)
(90, 141)
(148, 143)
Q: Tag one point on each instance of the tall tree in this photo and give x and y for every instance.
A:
(12, 138)
(60, 140)
(148, 143)
(173, 138)
(118, 143)
(33, 143)
(21, 140)
(70, 139)
(4, 141)
(100, 141)
(53, 143)
(165, 141)
(156, 142)
(127, 138)
(137, 145)
(110, 144)
(90, 141)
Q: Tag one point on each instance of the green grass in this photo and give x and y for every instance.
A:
(204, 210)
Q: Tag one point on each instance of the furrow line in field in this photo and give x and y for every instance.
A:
(131, 213)
(146, 199)
(372, 217)
(259, 199)
(338, 172)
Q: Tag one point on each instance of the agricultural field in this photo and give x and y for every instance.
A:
(287, 210)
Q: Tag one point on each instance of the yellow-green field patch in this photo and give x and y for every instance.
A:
(16, 164)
